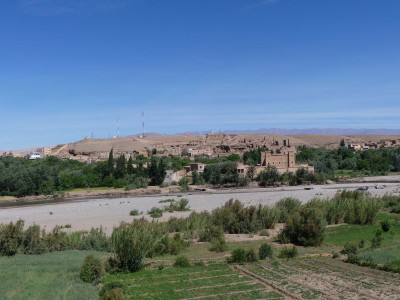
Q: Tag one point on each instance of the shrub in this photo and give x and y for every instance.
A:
(353, 207)
(234, 217)
(56, 240)
(32, 242)
(286, 207)
(251, 256)
(132, 242)
(96, 239)
(182, 262)
(134, 212)
(349, 248)
(170, 246)
(361, 244)
(92, 269)
(181, 205)
(184, 184)
(155, 212)
(288, 252)
(264, 232)
(218, 245)
(238, 256)
(304, 227)
(112, 291)
(335, 254)
(265, 251)
(11, 236)
(376, 241)
(268, 177)
(210, 233)
(115, 294)
(385, 225)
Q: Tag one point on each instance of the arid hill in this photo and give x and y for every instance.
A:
(218, 144)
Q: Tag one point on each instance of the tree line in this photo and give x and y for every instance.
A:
(20, 177)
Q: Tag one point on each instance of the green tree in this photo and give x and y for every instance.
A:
(304, 227)
(129, 167)
(268, 177)
(156, 171)
(111, 161)
(120, 169)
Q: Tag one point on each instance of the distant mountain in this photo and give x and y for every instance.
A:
(319, 131)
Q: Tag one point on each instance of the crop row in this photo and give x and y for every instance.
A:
(357, 279)
(199, 282)
(281, 277)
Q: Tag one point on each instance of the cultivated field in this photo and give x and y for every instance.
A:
(321, 278)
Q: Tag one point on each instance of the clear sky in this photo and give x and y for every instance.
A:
(72, 67)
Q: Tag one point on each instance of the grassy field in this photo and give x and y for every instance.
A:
(49, 276)
(339, 235)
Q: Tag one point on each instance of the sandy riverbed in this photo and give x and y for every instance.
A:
(85, 214)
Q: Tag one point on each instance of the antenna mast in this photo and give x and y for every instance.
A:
(142, 124)
(118, 126)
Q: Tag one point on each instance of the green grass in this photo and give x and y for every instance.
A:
(339, 235)
(104, 188)
(383, 255)
(48, 276)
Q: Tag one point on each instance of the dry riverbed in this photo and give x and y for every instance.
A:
(109, 212)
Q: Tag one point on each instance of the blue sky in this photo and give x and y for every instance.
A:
(69, 68)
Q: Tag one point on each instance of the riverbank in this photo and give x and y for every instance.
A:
(85, 213)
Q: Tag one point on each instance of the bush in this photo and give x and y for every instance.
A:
(361, 244)
(113, 291)
(184, 184)
(349, 248)
(385, 225)
(155, 212)
(251, 256)
(352, 207)
(234, 217)
(134, 212)
(92, 269)
(181, 205)
(268, 177)
(170, 246)
(265, 251)
(32, 242)
(218, 245)
(238, 256)
(288, 252)
(304, 227)
(11, 236)
(210, 233)
(133, 242)
(286, 207)
(115, 294)
(376, 241)
(182, 262)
